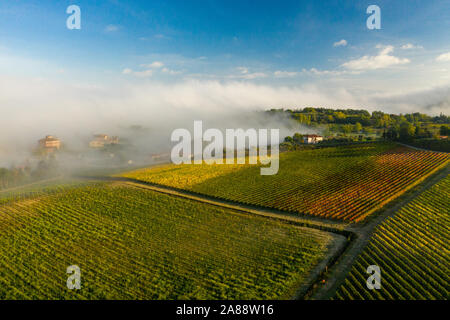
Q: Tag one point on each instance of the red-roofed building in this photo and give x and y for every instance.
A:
(312, 138)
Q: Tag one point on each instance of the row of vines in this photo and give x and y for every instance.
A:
(346, 182)
(412, 250)
(132, 243)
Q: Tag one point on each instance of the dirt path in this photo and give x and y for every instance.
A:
(336, 229)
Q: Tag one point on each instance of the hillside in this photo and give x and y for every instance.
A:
(132, 243)
(345, 182)
(412, 251)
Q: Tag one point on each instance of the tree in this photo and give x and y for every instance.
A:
(407, 131)
(444, 130)
(420, 132)
(339, 116)
(358, 127)
(286, 146)
(367, 130)
(392, 133)
(298, 138)
(347, 128)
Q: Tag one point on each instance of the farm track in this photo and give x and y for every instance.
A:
(342, 238)
(334, 226)
(353, 236)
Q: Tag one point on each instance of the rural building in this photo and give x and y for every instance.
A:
(50, 143)
(100, 140)
(312, 138)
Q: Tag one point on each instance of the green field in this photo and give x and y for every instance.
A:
(412, 250)
(345, 182)
(132, 243)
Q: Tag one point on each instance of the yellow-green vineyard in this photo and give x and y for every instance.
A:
(132, 243)
(346, 182)
(412, 250)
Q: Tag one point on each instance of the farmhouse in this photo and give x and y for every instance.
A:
(312, 138)
(100, 140)
(50, 143)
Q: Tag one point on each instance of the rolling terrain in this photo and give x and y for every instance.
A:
(412, 250)
(132, 243)
(161, 233)
(346, 183)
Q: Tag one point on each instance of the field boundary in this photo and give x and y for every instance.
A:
(333, 268)
(342, 238)
(335, 226)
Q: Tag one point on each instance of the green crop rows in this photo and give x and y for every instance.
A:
(132, 243)
(346, 182)
(412, 250)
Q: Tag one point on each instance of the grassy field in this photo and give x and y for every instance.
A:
(132, 243)
(412, 250)
(345, 182)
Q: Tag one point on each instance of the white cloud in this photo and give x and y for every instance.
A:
(443, 57)
(410, 46)
(317, 72)
(111, 28)
(244, 73)
(149, 70)
(431, 101)
(285, 74)
(131, 99)
(154, 65)
(340, 43)
(169, 71)
(321, 72)
(384, 59)
(142, 74)
(89, 108)
(254, 75)
(243, 70)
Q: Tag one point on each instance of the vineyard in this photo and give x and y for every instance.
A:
(412, 251)
(345, 182)
(132, 243)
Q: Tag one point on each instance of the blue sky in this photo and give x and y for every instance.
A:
(263, 36)
(208, 55)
